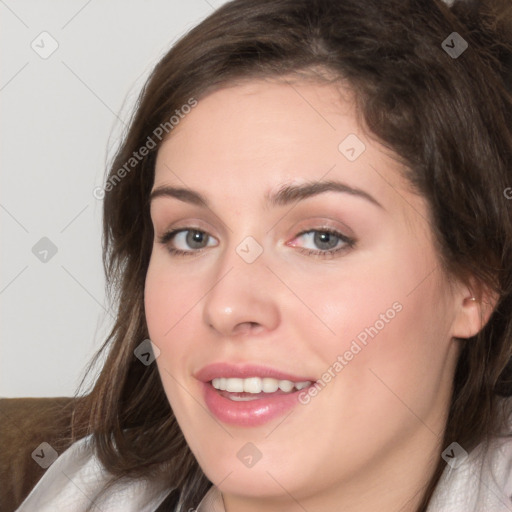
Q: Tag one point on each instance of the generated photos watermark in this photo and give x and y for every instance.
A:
(356, 347)
(158, 133)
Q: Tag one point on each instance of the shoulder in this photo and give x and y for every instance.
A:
(75, 480)
(480, 480)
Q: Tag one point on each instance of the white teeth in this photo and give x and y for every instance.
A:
(252, 385)
(235, 385)
(257, 385)
(270, 385)
(286, 385)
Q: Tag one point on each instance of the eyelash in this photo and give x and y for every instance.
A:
(330, 253)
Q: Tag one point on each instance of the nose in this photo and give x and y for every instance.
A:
(243, 299)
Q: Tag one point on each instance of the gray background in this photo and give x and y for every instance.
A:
(61, 120)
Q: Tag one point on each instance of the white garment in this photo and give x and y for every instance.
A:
(76, 477)
(482, 483)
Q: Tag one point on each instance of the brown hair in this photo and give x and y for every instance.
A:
(447, 119)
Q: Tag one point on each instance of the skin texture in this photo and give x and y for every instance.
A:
(369, 439)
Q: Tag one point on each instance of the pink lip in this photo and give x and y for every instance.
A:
(249, 413)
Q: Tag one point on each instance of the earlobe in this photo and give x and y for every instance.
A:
(473, 314)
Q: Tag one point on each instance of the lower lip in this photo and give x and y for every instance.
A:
(249, 413)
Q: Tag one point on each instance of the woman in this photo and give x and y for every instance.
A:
(308, 232)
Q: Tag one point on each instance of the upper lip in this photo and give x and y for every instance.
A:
(244, 371)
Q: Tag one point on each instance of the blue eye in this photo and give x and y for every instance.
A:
(192, 238)
(329, 241)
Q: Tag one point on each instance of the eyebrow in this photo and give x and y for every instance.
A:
(285, 195)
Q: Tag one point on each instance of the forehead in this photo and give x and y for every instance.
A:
(257, 119)
(250, 139)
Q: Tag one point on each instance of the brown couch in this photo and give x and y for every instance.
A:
(25, 423)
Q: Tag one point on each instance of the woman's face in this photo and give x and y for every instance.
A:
(310, 262)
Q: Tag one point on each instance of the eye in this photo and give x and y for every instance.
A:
(194, 241)
(193, 238)
(328, 241)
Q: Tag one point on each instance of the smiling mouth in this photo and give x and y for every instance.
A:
(251, 395)
(255, 388)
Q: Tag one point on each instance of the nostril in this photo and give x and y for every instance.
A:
(247, 327)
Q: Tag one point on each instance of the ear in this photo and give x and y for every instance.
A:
(474, 305)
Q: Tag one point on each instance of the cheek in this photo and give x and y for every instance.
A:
(172, 301)
(166, 302)
(357, 301)
(158, 304)
(389, 315)
(169, 296)
(386, 358)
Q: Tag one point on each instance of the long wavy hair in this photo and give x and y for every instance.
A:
(449, 120)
